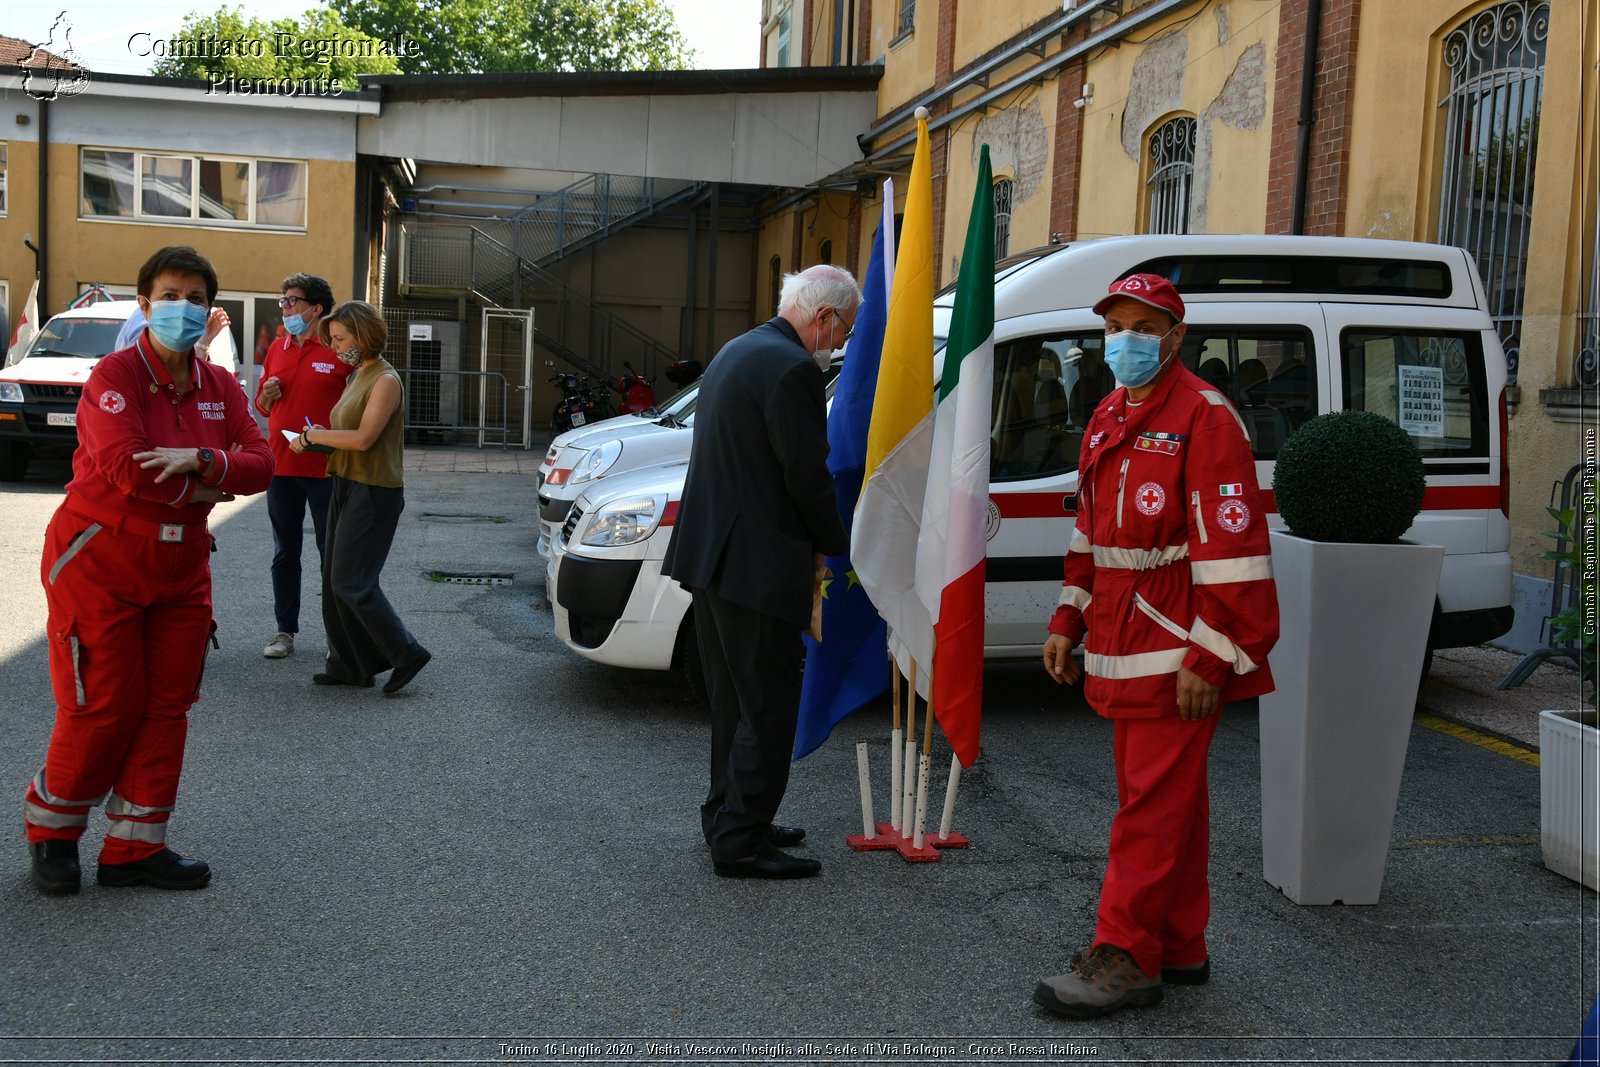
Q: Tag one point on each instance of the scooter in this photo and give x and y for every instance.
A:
(637, 395)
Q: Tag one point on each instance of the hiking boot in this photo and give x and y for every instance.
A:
(280, 646)
(1188, 974)
(1105, 980)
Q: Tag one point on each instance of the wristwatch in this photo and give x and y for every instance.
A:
(207, 457)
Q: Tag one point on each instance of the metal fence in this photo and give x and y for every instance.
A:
(422, 381)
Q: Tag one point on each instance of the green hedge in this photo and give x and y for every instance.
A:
(1349, 476)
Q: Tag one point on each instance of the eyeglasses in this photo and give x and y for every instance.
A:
(851, 332)
(290, 301)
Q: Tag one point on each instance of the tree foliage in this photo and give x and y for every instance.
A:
(482, 36)
(315, 46)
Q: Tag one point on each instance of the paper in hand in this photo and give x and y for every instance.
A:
(290, 435)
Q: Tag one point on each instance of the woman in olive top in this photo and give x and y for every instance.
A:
(365, 636)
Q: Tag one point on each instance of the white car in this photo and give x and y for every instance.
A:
(578, 456)
(39, 392)
(1342, 318)
(604, 581)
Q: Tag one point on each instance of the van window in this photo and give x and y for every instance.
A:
(90, 338)
(1431, 382)
(1268, 373)
(1045, 389)
(1302, 274)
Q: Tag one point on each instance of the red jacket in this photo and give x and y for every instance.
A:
(129, 405)
(313, 379)
(1170, 564)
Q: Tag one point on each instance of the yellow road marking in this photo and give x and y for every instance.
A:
(1482, 740)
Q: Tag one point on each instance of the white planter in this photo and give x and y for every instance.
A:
(1354, 628)
(1569, 794)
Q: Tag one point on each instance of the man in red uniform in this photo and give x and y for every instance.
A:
(301, 380)
(162, 436)
(1169, 584)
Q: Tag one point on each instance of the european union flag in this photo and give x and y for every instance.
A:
(850, 665)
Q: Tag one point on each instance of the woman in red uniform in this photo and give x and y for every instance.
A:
(162, 437)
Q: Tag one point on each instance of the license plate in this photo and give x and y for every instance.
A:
(61, 418)
(577, 418)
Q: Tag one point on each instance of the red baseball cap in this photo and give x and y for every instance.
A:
(1151, 289)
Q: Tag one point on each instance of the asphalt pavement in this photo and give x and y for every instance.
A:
(503, 863)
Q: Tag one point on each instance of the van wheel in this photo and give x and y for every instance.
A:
(686, 659)
(13, 462)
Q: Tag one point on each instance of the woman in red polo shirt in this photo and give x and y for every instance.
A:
(162, 437)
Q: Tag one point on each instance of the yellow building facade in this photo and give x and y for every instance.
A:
(1469, 122)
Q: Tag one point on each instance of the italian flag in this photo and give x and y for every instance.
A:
(955, 508)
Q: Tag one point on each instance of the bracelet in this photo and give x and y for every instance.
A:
(305, 442)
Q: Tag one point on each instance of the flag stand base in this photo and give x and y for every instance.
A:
(890, 838)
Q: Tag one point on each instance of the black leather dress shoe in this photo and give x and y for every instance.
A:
(165, 870)
(768, 862)
(785, 836)
(407, 671)
(55, 866)
(329, 679)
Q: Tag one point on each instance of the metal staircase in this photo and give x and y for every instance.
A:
(569, 220)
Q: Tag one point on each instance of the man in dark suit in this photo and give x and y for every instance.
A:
(758, 515)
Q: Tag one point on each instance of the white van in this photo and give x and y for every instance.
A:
(1287, 327)
(39, 392)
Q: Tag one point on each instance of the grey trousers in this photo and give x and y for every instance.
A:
(365, 636)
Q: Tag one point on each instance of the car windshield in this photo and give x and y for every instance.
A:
(82, 337)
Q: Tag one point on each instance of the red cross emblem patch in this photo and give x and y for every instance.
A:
(1233, 515)
(1150, 498)
(112, 401)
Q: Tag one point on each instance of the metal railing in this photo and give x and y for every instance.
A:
(569, 325)
(424, 396)
(560, 223)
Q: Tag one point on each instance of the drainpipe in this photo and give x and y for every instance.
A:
(686, 334)
(1308, 73)
(42, 264)
(713, 237)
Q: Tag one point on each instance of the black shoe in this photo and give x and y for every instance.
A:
(785, 836)
(55, 866)
(768, 862)
(165, 870)
(329, 679)
(407, 671)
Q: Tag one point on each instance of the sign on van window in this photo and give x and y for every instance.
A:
(1421, 400)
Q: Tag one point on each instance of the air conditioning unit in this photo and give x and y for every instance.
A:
(433, 384)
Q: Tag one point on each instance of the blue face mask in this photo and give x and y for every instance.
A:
(1134, 357)
(177, 324)
(295, 324)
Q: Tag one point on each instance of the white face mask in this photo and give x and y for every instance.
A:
(823, 357)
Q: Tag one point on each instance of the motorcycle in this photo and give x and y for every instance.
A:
(637, 395)
(577, 406)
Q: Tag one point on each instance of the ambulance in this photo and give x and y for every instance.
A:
(39, 391)
(1287, 327)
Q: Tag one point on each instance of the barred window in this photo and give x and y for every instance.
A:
(1170, 185)
(908, 17)
(1004, 190)
(1495, 62)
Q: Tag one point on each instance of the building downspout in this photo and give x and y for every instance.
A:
(43, 264)
(1308, 74)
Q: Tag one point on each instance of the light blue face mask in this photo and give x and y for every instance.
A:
(1134, 357)
(295, 324)
(177, 324)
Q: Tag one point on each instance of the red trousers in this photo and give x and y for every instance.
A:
(129, 624)
(1156, 897)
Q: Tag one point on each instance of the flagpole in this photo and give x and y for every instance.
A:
(864, 772)
(922, 776)
(896, 753)
(950, 798)
(907, 796)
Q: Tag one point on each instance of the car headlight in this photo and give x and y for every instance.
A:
(624, 522)
(596, 462)
(11, 392)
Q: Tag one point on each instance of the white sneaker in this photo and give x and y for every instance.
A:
(280, 646)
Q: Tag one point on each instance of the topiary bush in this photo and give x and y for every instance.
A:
(1349, 476)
